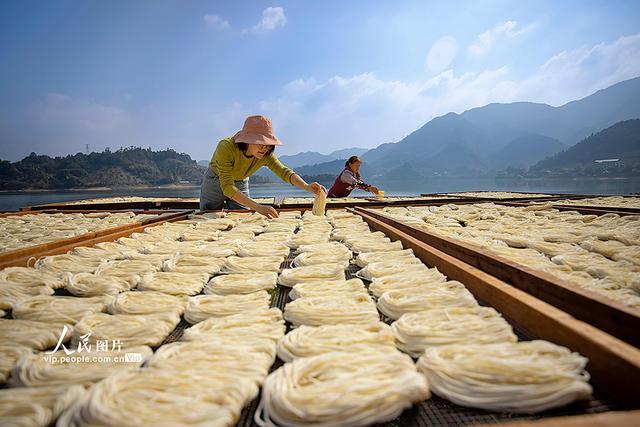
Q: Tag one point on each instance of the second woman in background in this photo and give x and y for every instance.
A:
(349, 179)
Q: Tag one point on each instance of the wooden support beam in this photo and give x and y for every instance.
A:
(23, 257)
(605, 419)
(609, 315)
(613, 364)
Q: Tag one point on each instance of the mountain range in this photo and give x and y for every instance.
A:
(483, 140)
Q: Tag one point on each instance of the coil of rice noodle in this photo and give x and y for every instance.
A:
(323, 310)
(394, 304)
(230, 284)
(519, 377)
(308, 341)
(202, 307)
(373, 388)
(312, 273)
(415, 332)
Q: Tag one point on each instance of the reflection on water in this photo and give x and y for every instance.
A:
(13, 201)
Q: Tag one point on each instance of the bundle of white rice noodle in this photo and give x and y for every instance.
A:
(374, 387)
(170, 247)
(376, 270)
(344, 234)
(236, 237)
(308, 341)
(96, 253)
(250, 360)
(237, 264)
(312, 273)
(328, 247)
(199, 235)
(307, 238)
(394, 304)
(193, 264)
(406, 280)
(520, 377)
(282, 226)
(254, 228)
(12, 293)
(154, 259)
(129, 270)
(36, 370)
(36, 406)
(216, 224)
(57, 265)
(185, 398)
(274, 237)
(91, 285)
(289, 215)
(59, 309)
(339, 213)
(31, 277)
(415, 332)
(130, 329)
(315, 258)
(219, 251)
(9, 355)
(375, 245)
(328, 288)
(329, 310)
(147, 302)
(173, 283)
(404, 256)
(230, 284)
(202, 307)
(33, 334)
(262, 249)
(243, 327)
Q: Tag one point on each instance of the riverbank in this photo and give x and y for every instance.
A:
(104, 189)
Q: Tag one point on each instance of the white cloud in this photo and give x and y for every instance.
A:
(364, 110)
(441, 54)
(216, 23)
(272, 18)
(485, 41)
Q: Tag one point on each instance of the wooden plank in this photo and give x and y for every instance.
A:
(613, 364)
(604, 313)
(626, 210)
(585, 210)
(37, 250)
(605, 419)
(29, 259)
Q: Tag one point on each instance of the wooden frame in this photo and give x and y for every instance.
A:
(605, 419)
(613, 364)
(22, 256)
(608, 315)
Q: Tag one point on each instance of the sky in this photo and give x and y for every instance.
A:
(184, 74)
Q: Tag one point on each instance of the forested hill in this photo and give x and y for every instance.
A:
(125, 167)
(621, 141)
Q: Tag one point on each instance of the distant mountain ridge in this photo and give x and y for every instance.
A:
(126, 167)
(496, 136)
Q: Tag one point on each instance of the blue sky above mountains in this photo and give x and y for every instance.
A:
(331, 74)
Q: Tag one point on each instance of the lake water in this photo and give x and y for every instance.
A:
(14, 201)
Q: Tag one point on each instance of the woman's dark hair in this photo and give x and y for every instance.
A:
(352, 160)
(243, 147)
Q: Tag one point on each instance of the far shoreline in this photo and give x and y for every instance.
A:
(103, 189)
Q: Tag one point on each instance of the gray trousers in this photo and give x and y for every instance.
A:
(212, 197)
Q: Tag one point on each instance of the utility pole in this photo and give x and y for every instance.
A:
(86, 146)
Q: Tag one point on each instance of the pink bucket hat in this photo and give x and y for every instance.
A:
(257, 130)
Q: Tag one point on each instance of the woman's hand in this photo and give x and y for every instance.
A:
(315, 188)
(267, 211)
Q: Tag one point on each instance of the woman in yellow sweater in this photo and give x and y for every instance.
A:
(226, 182)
